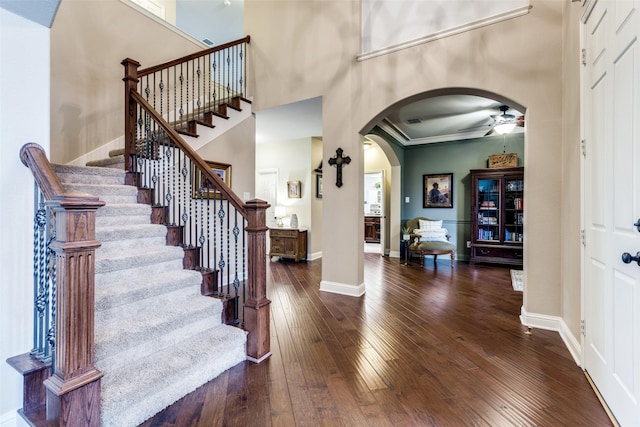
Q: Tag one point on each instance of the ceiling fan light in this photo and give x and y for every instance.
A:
(504, 128)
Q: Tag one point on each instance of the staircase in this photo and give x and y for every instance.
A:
(156, 337)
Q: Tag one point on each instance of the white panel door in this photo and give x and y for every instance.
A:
(612, 204)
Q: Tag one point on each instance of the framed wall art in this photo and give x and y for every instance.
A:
(437, 190)
(319, 186)
(223, 170)
(294, 189)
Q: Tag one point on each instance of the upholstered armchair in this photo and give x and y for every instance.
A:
(428, 237)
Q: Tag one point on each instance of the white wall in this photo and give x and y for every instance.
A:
(24, 117)
(292, 159)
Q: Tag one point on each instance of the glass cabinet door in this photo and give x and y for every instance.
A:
(488, 210)
(513, 210)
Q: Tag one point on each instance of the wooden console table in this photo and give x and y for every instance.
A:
(288, 243)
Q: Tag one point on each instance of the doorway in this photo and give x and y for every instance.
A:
(374, 212)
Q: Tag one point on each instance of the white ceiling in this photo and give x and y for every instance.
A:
(435, 119)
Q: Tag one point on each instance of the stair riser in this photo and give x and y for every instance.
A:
(124, 245)
(116, 294)
(150, 347)
(131, 232)
(150, 303)
(67, 179)
(121, 335)
(104, 190)
(136, 259)
(130, 274)
(203, 357)
(110, 221)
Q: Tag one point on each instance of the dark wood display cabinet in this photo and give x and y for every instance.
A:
(372, 229)
(497, 215)
(288, 243)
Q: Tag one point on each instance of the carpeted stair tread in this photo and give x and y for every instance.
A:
(109, 163)
(136, 258)
(156, 338)
(143, 388)
(102, 190)
(85, 174)
(122, 327)
(134, 271)
(113, 214)
(114, 294)
(112, 361)
(117, 152)
(127, 232)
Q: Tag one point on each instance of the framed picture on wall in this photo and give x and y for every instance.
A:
(437, 190)
(294, 190)
(319, 186)
(203, 188)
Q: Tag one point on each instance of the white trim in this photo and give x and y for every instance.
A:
(572, 343)
(394, 254)
(314, 256)
(553, 323)
(263, 358)
(540, 321)
(446, 33)
(342, 288)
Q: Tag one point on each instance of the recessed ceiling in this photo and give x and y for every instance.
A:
(444, 118)
(435, 119)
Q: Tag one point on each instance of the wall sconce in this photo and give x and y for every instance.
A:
(280, 212)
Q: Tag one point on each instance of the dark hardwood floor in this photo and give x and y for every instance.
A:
(430, 346)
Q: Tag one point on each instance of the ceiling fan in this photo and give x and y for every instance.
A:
(505, 123)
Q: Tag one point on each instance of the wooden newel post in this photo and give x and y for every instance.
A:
(73, 391)
(257, 306)
(130, 84)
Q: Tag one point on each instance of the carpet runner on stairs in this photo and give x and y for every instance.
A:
(157, 338)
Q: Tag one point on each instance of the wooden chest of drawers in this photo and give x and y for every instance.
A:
(288, 243)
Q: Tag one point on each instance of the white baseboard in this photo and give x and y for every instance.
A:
(342, 289)
(394, 254)
(553, 323)
(314, 256)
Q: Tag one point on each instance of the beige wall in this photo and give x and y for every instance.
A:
(571, 173)
(520, 59)
(236, 147)
(89, 39)
(292, 159)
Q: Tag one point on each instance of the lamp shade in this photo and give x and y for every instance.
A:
(280, 211)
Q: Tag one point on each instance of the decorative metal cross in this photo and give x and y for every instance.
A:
(338, 161)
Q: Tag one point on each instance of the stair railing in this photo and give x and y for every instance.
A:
(64, 226)
(223, 237)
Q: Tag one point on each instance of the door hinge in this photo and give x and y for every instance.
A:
(583, 146)
(583, 328)
(583, 57)
(583, 238)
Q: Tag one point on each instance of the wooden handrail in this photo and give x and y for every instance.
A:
(34, 157)
(219, 184)
(175, 62)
